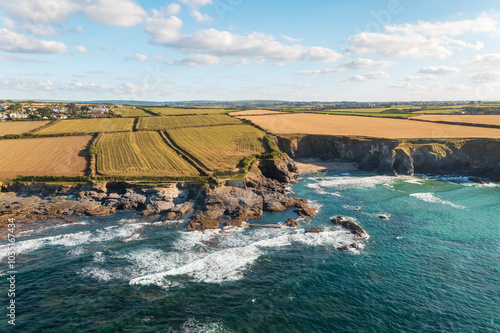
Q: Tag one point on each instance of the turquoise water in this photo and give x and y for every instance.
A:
(433, 266)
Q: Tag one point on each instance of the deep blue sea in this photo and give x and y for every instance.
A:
(433, 266)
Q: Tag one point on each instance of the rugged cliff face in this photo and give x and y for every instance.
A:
(474, 157)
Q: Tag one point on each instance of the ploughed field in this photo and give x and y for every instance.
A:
(139, 154)
(303, 123)
(88, 126)
(465, 119)
(20, 127)
(164, 123)
(59, 156)
(219, 148)
(178, 111)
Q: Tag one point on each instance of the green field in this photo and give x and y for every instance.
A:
(164, 123)
(219, 148)
(88, 126)
(129, 112)
(139, 154)
(181, 111)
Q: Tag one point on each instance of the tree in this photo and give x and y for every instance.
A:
(15, 107)
(44, 112)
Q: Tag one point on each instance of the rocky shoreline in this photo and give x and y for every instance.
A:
(208, 206)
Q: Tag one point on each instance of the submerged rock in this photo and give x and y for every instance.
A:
(314, 231)
(212, 242)
(349, 225)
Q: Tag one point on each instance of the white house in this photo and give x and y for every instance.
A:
(18, 115)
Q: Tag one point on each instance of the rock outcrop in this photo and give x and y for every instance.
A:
(470, 157)
(349, 225)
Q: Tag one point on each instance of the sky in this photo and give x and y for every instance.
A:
(294, 50)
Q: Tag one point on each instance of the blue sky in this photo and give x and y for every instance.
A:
(377, 50)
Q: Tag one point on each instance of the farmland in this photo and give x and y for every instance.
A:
(179, 111)
(466, 119)
(124, 112)
(163, 123)
(20, 127)
(139, 154)
(254, 112)
(64, 156)
(219, 148)
(367, 127)
(88, 126)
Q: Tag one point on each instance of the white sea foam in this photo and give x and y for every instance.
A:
(75, 239)
(96, 273)
(344, 183)
(430, 197)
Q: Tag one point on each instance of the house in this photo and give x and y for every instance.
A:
(59, 116)
(97, 114)
(4, 116)
(101, 108)
(18, 115)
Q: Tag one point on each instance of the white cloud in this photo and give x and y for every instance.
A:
(459, 87)
(15, 42)
(407, 86)
(163, 30)
(40, 11)
(40, 30)
(28, 85)
(196, 3)
(486, 67)
(405, 46)
(107, 48)
(422, 40)
(316, 72)
(140, 57)
(361, 63)
(199, 17)
(83, 49)
(438, 70)
(291, 39)
(413, 77)
(199, 60)
(370, 76)
(172, 9)
(166, 32)
(125, 13)
(483, 23)
(12, 57)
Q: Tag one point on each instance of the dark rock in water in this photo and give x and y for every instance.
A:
(357, 208)
(202, 224)
(383, 217)
(350, 225)
(291, 223)
(212, 242)
(343, 248)
(478, 180)
(303, 209)
(314, 230)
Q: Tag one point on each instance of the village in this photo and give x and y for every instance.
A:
(10, 110)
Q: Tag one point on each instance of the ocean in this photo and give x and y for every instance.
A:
(432, 266)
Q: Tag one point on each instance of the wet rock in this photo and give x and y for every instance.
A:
(291, 223)
(349, 225)
(212, 242)
(314, 230)
(203, 224)
(343, 248)
(383, 217)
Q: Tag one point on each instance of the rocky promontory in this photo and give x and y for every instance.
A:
(205, 206)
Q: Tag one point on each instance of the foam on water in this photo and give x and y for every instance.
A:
(75, 239)
(349, 182)
(96, 273)
(430, 197)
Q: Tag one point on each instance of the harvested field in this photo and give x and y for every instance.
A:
(179, 111)
(139, 154)
(19, 127)
(368, 127)
(465, 119)
(89, 126)
(254, 112)
(131, 112)
(64, 156)
(163, 123)
(219, 148)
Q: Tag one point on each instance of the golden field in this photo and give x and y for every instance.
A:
(254, 112)
(63, 156)
(179, 111)
(163, 123)
(88, 126)
(466, 119)
(20, 127)
(139, 154)
(220, 147)
(302, 123)
(124, 112)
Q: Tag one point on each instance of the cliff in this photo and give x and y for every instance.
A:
(469, 157)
